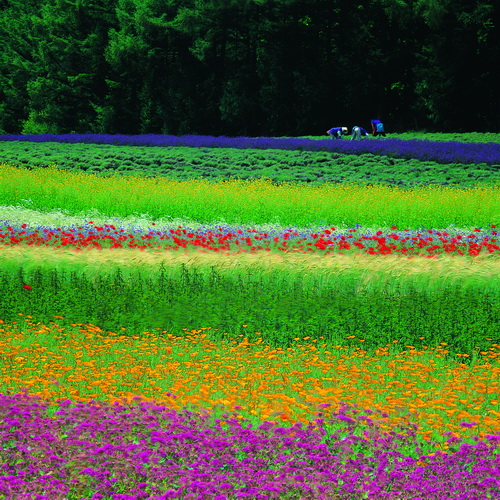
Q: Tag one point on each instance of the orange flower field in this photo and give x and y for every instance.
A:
(244, 374)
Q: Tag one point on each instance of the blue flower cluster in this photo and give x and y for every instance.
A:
(439, 151)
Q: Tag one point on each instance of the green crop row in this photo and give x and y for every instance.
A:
(218, 164)
(249, 202)
(280, 305)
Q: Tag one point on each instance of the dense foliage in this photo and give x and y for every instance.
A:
(280, 303)
(274, 67)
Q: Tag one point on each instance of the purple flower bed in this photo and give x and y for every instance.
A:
(439, 151)
(123, 452)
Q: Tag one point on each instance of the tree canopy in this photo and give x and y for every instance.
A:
(248, 67)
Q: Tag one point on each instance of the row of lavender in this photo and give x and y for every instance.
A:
(157, 453)
(442, 152)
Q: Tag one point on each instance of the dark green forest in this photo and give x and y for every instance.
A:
(248, 67)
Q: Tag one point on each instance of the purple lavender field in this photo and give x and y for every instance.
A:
(442, 152)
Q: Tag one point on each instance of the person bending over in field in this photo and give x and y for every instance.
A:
(337, 132)
(377, 128)
(358, 133)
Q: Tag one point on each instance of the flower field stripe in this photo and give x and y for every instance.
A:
(251, 202)
(168, 454)
(223, 318)
(84, 363)
(444, 152)
(236, 240)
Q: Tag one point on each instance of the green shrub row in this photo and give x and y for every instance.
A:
(279, 305)
(217, 164)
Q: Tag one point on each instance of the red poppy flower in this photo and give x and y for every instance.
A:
(27, 287)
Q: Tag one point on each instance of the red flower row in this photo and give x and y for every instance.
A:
(404, 242)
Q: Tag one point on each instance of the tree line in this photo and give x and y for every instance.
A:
(248, 67)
